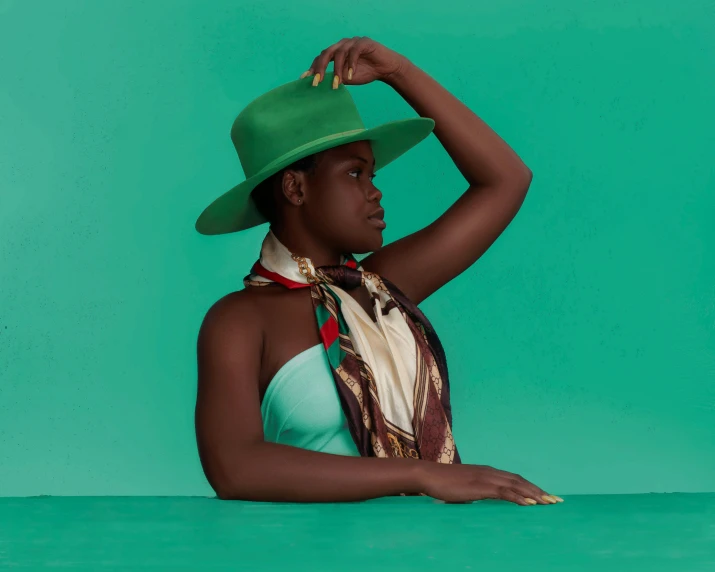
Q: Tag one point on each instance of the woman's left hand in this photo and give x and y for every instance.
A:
(357, 61)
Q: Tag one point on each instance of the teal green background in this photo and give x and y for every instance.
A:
(581, 346)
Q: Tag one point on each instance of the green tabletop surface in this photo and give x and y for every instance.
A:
(644, 532)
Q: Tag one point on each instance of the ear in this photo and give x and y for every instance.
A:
(294, 186)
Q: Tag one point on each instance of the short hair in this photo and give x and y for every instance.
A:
(263, 194)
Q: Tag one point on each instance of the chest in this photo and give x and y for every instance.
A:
(290, 328)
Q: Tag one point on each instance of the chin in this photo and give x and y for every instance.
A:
(366, 244)
(376, 243)
(376, 246)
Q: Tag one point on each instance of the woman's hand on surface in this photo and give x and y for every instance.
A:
(357, 61)
(465, 483)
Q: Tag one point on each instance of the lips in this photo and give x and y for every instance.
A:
(377, 222)
(379, 213)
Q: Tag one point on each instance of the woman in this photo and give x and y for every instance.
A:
(322, 380)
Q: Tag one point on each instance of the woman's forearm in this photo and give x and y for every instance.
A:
(483, 158)
(282, 473)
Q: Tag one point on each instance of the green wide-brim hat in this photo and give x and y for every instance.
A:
(293, 121)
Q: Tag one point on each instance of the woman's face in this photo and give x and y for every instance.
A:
(340, 196)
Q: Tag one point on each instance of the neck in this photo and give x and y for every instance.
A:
(308, 246)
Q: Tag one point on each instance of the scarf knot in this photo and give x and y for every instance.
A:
(342, 276)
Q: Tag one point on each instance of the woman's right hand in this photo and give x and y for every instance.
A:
(465, 483)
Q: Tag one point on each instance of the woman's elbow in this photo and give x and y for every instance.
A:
(525, 178)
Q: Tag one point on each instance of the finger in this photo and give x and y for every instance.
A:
(338, 60)
(536, 493)
(539, 492)
(338, 64)
(539, 497)
(353, 57)
(320, 63)
(529, 489)
(526, 489)
(516, 498)
(318, 68)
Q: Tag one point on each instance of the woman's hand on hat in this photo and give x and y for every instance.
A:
(356, 61)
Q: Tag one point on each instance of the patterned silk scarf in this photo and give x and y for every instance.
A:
(391, 375)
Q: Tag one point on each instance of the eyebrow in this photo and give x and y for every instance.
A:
(362, 159)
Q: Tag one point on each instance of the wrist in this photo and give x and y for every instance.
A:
(419, 474)
(400, 74)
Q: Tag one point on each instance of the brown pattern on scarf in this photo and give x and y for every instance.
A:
(358, 393)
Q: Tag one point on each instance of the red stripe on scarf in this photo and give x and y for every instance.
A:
(287, 282)
(329, 332)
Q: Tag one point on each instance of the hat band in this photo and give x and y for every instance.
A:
(308, 145)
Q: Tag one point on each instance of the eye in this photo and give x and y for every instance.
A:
(359, 171)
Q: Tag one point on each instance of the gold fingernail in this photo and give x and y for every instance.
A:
(316, 79)
(336, 81)
(350, 73)
(530, 501)
(305, 74)
(549, 498)
(559, 499)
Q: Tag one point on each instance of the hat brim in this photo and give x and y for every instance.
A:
(235, 210)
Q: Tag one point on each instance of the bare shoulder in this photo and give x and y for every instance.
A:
(236, 323)
(234, 317)
(240, 304)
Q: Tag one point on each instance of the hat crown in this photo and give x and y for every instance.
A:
(288, 117)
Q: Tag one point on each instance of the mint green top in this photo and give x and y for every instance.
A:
(301, 406)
